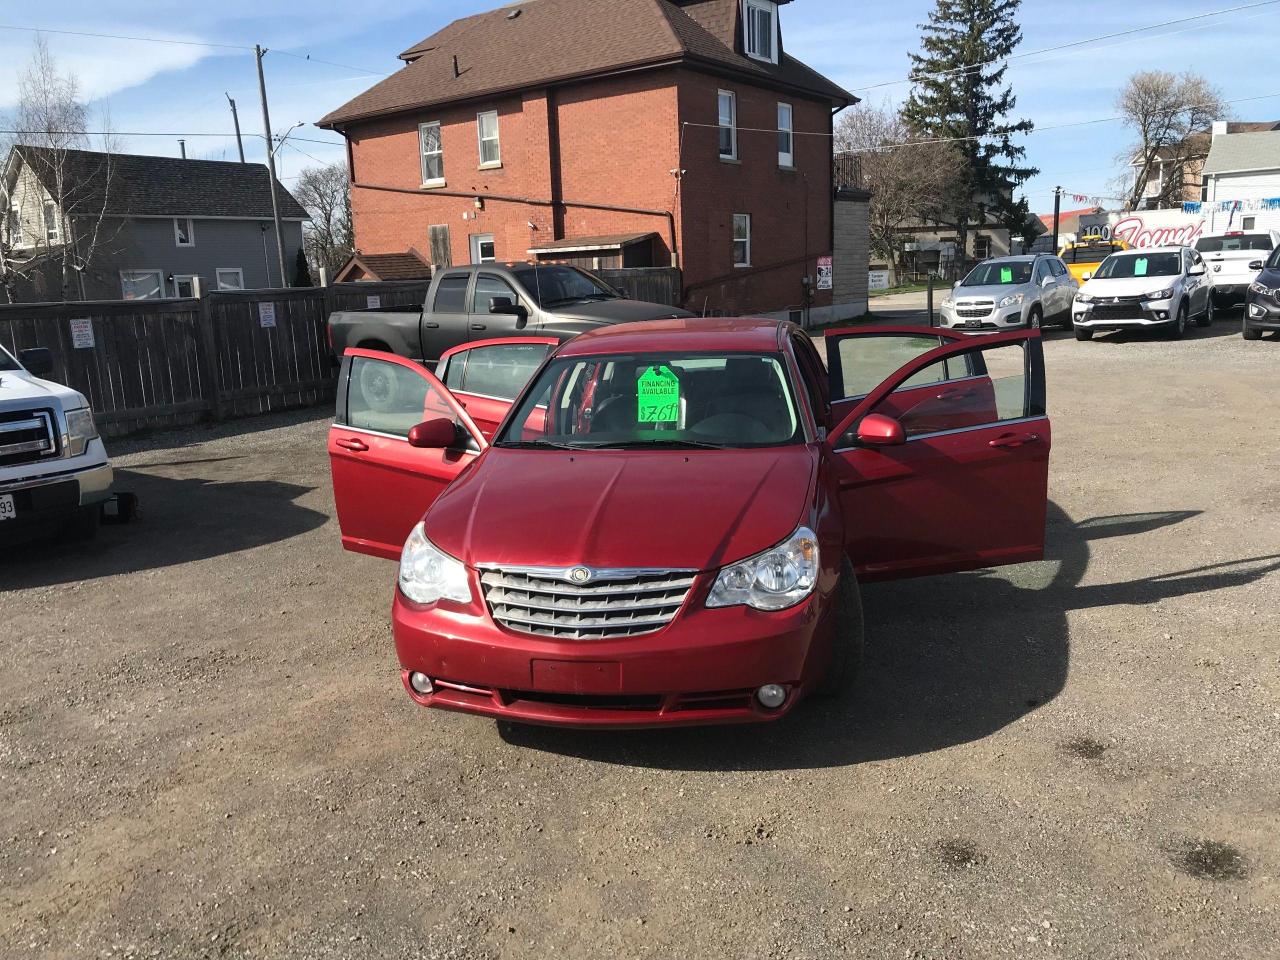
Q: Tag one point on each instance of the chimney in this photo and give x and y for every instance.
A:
(456, 72)
(182, 145)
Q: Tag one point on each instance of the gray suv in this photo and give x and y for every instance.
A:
(1005, 293)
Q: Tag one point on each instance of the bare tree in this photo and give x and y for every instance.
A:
(1172, 117)
(324, 192)
(907, 176)
(56, 194)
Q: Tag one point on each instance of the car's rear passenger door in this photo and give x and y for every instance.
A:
(486, 377)
(956, 497)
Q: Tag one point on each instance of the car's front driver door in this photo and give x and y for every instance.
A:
(381, 484)
(948, 497)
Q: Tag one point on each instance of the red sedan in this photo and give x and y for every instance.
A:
(671, 521)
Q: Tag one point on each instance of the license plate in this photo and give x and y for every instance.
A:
(973, 323)
(7, 509)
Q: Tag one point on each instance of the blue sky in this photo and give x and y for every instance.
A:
(149, 87)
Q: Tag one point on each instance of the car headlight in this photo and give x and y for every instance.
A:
(780, 577)
(80, 430)
(1012, 300)
(1083, 298)
(1164, 294)
(1264, 291)
(947, 302)
(428, 574)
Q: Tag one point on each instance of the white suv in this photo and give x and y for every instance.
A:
(1158, 288)
(1234, 259)
(54, 472)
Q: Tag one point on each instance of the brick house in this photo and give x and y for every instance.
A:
(608, 133)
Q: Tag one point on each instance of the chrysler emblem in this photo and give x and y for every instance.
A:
(580, 574)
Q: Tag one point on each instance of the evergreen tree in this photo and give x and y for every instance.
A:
(302, 271)
(959, 91)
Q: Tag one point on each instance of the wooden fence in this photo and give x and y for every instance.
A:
(654, 284)
(155, 363)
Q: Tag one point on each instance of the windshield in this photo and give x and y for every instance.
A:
(553, 285)
(1092, 253)
(7, 362)
(657, 400)
(1125, 266)
(1273, 261)
(997, 274)
(1243, 241)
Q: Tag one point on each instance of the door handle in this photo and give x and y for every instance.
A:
(354, 445)
(954, 395)
(1010, 440)
(431, 324)
(478, 326)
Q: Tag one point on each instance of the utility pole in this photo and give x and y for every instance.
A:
(235, 119)
(1057, 208)
(271, 164)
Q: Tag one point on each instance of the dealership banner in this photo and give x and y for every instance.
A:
(1179, 226)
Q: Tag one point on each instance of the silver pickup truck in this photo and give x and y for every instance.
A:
(54, 472)
(491, 300)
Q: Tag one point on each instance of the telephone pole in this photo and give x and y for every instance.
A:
(271, 163)
(1057, 207)
(235, 119)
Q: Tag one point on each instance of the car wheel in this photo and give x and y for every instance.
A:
(1084, 333)
(1206, 318)
(377, 386)
(1179, 326)
(84, 525)
(1248, 332)
(1035, 319)
(847, 642)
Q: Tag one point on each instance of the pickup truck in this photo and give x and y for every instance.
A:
(54, 473)
(490, 300)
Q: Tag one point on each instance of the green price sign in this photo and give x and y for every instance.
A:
(1006, 275)
(658, 396)
(1140, 267)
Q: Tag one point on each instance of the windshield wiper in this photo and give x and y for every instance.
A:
(534, 445)
(641, 444)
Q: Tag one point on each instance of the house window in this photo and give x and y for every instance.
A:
(762, 30)
(482, 248)
(15, 226)
(786, 146)
(1246, 223)
(184, 232)
(432, 154)
(51, 232)
(981, 247)
(184, 285)
(487, 129)
(728, 125)
(742, 239)
(141, 284)
(229, 278)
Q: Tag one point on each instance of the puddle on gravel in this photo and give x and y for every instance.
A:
(960, 854)
(1210, 860)
(1086, 748)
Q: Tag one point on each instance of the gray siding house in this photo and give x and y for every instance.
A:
(83, 225)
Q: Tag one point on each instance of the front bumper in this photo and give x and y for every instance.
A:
(54, 497)
(1260, 315)
(702, 668)
(1137, 315)
(1229, 294)
(962, 317)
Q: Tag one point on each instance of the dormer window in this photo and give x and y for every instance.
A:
(760, 26)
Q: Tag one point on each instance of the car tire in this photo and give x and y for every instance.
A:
(377, 387)
(1179, 325)
(1035, 319)
(848, 638)
(84, 525)
(1084, 333)
(1248, 332)
(1206, 318)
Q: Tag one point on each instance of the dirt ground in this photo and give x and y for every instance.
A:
(205, 750)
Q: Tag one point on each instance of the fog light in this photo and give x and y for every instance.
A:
(1162, 314)
(771, 695)
(421, 683)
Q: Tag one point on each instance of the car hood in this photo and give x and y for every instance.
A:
(616, 311)
(996, 292)
(19, 389)
(691, 509)
(1127, 286)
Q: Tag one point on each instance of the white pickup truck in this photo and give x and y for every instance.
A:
(54, 473)
(1234, 259)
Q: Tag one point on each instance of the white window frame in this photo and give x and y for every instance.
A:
(191, 232)
(422, 154)
(16, 230)
(52, 232)
(732, 126)
(735, 239)
(474, 242)
(179, 277)
(217, 277)
(749, 9)
(481, 140)
(787, 158)
(161, 286)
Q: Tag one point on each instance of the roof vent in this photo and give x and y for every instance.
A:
(513, 14)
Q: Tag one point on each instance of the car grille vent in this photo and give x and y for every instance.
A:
(613, 603)
(26, 436)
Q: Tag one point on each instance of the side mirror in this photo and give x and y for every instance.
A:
(877, 430)
(1046, 281)
(956, 285)
(37, 360)
(1255, 264)
(506, 305)
(438, 434)
(1087, 275)
(623, 292)
(1196, 271)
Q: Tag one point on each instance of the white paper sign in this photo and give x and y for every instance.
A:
(267, 314)
(373, 300)
(82, 334)
(878, 280)
(824, 273)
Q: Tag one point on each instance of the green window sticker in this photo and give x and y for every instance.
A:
(658, 396)
(1140, 267)
(1006, 274)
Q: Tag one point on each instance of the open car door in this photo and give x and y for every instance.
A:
(382, 485)
(944, 465)
(486, 376)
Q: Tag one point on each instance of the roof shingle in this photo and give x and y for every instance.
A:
(1244, 151)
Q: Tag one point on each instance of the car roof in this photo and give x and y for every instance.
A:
(1142, 251)
(681, 333)
(1017, 258)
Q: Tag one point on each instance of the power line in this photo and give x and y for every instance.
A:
(1074, 43)
(115, 36)
(153, 133)
(345, 66)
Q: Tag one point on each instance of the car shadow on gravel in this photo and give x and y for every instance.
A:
(950, 659)
(181, 520)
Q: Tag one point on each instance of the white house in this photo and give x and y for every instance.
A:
(1242, 166)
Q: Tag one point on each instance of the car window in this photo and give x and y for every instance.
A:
(451, 294)
(1140, 264)
(1242, 241)
(998, 273)
(1058, 267)
(391, 398)
(1090, 253)
(554, 285)
(498, 371)
(7, 362)
(487, 287)
(812, 372)
(864, 362)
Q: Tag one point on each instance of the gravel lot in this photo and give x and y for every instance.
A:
(205, 750)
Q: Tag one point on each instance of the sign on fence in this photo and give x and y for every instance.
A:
(877, 279)
(373, 302)
(266, 314)
(824, 273)
(81, 333)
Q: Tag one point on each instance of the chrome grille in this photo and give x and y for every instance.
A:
(975, 308)
(547, 602)
(26, 437)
